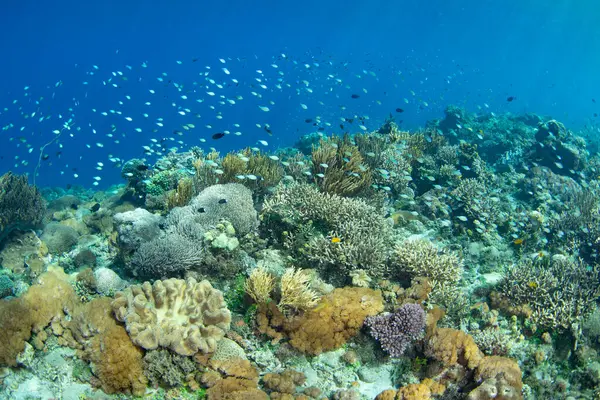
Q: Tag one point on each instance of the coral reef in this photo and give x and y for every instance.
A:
(184, 316)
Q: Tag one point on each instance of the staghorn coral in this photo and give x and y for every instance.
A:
(336, 318)
(364, 234)
(397, 330)
(339, 167)
(21, 205)
(559, 293)
(421, 258)
(184, 316)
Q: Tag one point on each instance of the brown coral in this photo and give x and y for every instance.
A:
(415, 391)
(234, 379)
(501, 376)
(450, 346)
(284, 382)
(184, 316)
(335, 319)
(118, 362)
(15, 330)
(48, 301)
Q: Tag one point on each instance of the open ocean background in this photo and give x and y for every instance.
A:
(545, 54)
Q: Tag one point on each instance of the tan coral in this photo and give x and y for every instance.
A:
(185, 316)
(415, 391)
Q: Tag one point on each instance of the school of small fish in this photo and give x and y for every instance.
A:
(102, 118)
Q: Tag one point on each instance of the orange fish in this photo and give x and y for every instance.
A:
(335, 239)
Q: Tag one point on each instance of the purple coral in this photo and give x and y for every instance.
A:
(397, 330)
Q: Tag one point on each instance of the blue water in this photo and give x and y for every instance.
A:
(474, 54)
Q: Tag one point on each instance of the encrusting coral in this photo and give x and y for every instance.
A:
(451, 347)
(184, 316)
(49, 300)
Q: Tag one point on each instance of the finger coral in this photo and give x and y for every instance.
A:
(21, 205)
(184, 316)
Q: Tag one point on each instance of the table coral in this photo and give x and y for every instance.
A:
(184, 316)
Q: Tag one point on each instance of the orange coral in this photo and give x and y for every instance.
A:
(416, 391)
(15, 330)
(501, 376)
(239, 381)
(118, 362)
(450, 346)
(335, 319)
(45, 302)
(504, 372)
(235, 389)
(285, 382)
(389, 394)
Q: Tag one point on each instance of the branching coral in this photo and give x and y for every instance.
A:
(339, 167)
(295, 292)
(560, 293)
(21, 205)
(184, 316)
(421, 258)
(259, 285)
(363, 235)
(397, 330)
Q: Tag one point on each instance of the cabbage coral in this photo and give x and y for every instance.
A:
(184, 316)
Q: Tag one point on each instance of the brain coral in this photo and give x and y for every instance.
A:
(184, 316)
